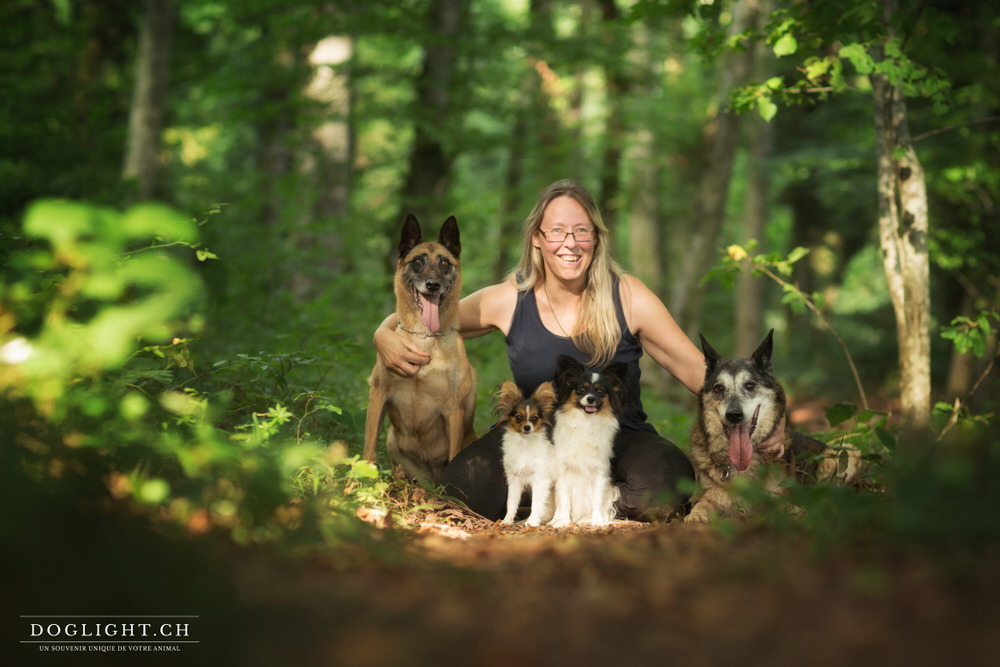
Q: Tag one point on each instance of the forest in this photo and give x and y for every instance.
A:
(200, 207)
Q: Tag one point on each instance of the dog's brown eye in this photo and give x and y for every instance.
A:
(418, 263)
(750, 386)
(718, 389)
(518, 418)
(444, 263)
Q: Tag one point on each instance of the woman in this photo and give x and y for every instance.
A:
(568, 296)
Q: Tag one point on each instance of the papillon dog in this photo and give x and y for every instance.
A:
(586, 423)
(528, 456)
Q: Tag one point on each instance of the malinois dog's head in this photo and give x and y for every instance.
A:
(428, 276)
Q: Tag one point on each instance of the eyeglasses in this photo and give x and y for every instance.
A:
(558, 235)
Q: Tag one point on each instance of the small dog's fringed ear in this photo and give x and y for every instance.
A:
(545, 395)
(619, 372)
(449, 238)
(410, 237)
(508, 396)
(712, 357)
(566, 368)
(762, 355)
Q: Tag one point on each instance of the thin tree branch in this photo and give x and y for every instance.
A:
(819, 314)
(925, 135)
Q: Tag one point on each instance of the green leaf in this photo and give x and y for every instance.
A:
(766, 108)
(886, 438)
(859, 57)
(797, 254)
(786, 45)
(841, 412)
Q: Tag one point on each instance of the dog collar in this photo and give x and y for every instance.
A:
(427, 334)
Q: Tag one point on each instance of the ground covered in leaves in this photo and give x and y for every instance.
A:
(438, 585)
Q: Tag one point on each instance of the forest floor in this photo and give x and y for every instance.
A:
(434, 584)
(466, 591)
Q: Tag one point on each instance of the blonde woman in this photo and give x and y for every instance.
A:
(568, 296)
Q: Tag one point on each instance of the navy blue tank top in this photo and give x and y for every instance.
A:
(532, 351)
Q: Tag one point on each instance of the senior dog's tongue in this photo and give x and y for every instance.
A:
(429, 314)
(740, 449)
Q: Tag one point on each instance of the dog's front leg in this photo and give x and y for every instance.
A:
(373, 422)
(562, 516)
(541, 500)
(600, 501)
(455, 421)
(514, 489)
(715, 500)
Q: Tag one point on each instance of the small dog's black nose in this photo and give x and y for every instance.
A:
(526, 428)
(734, 416)
(432, 286)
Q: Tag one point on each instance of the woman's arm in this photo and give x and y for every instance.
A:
(489, 309)
(479, 313)
(660, 335)
(397, 353)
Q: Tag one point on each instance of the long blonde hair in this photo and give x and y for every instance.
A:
(599, 332)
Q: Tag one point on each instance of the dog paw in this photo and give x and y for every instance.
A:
(698, 514)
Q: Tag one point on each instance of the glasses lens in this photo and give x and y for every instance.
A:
(558, 235)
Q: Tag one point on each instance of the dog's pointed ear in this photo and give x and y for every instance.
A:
(762, 355)
(410, 237)
(508, 396)
(712, 357)
(449, 237)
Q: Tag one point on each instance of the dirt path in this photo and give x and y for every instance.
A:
(470, 592)
(445, 587)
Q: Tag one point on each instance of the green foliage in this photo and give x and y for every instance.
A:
(858, 34)
(971, 335)
(99, 384)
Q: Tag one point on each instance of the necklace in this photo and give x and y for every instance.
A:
(552, 310)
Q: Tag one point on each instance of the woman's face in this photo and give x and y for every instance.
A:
(568, 259)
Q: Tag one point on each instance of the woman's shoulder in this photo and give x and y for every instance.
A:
(638, 301)
(632, 289)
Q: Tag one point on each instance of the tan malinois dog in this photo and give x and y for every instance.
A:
(430, 413)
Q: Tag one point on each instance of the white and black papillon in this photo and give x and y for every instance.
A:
(586, 423)
(528, 455)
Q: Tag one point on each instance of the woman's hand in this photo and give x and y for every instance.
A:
(397, 353)
(774, 446)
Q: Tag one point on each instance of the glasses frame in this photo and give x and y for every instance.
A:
(592, 231)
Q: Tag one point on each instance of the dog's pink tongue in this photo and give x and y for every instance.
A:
(740, 449)
(429, 314)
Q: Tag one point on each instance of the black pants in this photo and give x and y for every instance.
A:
(646, 468)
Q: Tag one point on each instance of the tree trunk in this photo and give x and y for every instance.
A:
(710, 206)
(617, 88)
(146, 116)
(430, 158)
(750, 289)
(326, 165)
(903, 222)
(531, 122)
